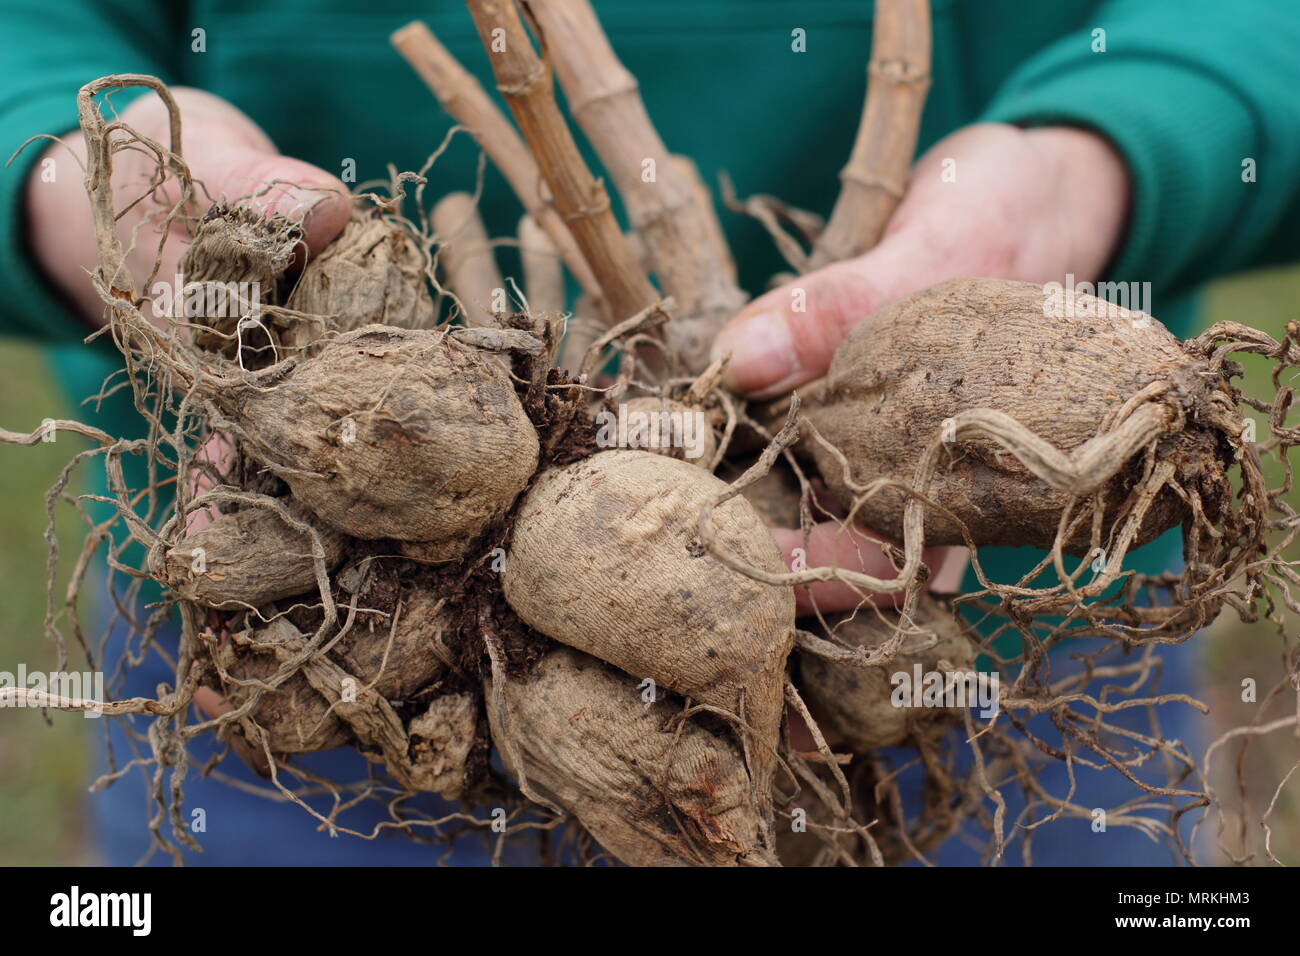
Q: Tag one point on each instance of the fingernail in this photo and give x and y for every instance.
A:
(299, 209)
(762, 351)
(303, 200)
(323, 216)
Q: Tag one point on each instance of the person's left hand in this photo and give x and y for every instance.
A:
(989, 200)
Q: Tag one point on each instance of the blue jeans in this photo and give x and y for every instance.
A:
(1072, 841)
(246, 829)
(241, 828)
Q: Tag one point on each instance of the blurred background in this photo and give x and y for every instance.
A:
(43, 783)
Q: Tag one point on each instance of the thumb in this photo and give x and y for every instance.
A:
(276, 184)
(232, 159)
(257, 176)
(229, 157)
(787, 337)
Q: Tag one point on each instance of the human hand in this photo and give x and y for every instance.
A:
(226, 152)
(989, 200)
(231, 157)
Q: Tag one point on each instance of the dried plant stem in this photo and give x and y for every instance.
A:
(525, 83)
(466, 256)
(876, 173)
(690, 258)
(465, 100)
(543, 269)
(689, 172)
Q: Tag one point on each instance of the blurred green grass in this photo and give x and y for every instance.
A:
(43, 775)
(43, 766)
(1234, 651)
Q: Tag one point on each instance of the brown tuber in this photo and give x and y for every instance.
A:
(393, 662)
(246, 559)
(373, 273)
(394, 433)
(578, 734)
(605, 558)
(230, 271)
(857, 702)
(1075, 386)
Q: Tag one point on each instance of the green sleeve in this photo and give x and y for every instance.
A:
(50, 50)
(1188, 91)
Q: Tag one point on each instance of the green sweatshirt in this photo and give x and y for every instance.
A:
(1188, 90)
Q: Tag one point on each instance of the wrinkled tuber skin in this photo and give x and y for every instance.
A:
(297, 719)
(650, 795)
(232, 245)
(372, 274)
(411, 661)
(246, 559)
(394, 433)
(970, 344)
(440, 741)
(856, 702)
(294, 717)
(604, 557)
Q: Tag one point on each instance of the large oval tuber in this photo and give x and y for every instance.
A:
(394, 433)
(1061, 367)
(604, 557)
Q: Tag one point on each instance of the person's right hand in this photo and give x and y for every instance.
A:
(226, 152)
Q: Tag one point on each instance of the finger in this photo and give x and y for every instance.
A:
(834, 545)
(235, 161)
(280, 185)
(801, 738)
(950, 571)
(213, 705)
(787, 337)
(213, 459)
(231, 158)
(266, 181)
